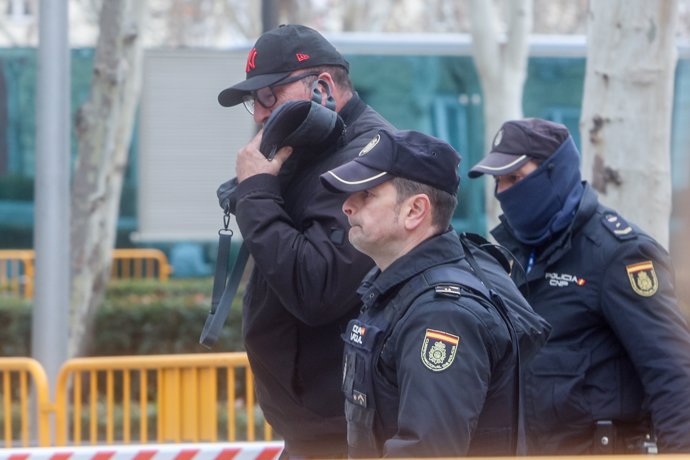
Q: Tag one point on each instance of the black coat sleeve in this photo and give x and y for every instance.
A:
(310, 265)
(444, 354)
(640, 305)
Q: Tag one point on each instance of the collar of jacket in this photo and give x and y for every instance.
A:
(437, 250)
(560, 245)
(353, 109)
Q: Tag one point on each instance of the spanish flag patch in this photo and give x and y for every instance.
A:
(438, 349)
(643, 278)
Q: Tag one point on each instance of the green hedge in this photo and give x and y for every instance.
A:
(136, 318)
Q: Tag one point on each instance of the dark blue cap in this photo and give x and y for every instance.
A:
(408, 154)
(519, 141)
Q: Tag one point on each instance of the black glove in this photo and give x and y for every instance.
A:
(300, 124)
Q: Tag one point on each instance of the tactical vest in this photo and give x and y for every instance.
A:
(366, 336)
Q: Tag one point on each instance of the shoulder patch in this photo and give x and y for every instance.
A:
(438, 349)
(643, 278)
(618, 226)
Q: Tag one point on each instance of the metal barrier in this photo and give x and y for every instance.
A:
(140, 263)
(17, 272)
(17, 268)
(24, 384)
(156, 398)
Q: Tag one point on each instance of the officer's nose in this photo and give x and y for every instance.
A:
(347, 206)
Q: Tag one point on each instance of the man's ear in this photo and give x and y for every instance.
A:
(323, 90)
(321, 94)
(417, 210)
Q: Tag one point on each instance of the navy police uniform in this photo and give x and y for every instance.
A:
(619, 350)
(429, 372)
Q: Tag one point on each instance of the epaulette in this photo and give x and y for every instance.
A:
(618, 226)
(448, 290)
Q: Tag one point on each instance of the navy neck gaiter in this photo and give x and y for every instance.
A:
(544, 203)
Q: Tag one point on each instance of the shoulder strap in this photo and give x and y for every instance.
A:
(224, 284)
(438, 278)
(443, 279)
(520, 444)
(618, 226)
(448, 274)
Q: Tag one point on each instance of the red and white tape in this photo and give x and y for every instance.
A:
(190, 451)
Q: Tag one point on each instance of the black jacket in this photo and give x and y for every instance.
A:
(302, 290)
(431, 374)
(619, 349)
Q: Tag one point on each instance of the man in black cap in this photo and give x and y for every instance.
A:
(615, 373)
(429, 366)
(301, 293)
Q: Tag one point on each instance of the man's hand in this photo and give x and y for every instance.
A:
(250, 161)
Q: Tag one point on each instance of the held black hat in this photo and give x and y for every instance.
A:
(517, 142)
(408, 154)
(279, 52)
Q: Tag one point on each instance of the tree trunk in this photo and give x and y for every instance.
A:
(104, 130)
(626, 112)
(502, 66)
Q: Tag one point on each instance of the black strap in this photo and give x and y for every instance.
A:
(219, 277)
(520, 444)
(224, 288)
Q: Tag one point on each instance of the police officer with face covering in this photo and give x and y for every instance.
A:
(614, 376)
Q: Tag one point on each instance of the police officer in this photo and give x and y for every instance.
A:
(429, 365)
(615, 372)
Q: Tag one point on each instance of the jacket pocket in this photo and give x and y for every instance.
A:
(360, 431)
(556, 391)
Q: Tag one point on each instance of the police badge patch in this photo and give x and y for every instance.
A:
(438, 349)
(372, 143)
(643, 278)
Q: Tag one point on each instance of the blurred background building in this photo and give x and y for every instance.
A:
(410, 59)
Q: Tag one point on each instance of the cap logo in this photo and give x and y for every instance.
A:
(251, 61)
(302, 57)
(498, 138)
(372, 143)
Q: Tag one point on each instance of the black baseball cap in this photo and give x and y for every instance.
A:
(517, 142)
(408, 154)
(278, 53)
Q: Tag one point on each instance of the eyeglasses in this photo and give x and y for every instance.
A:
(266, 97)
